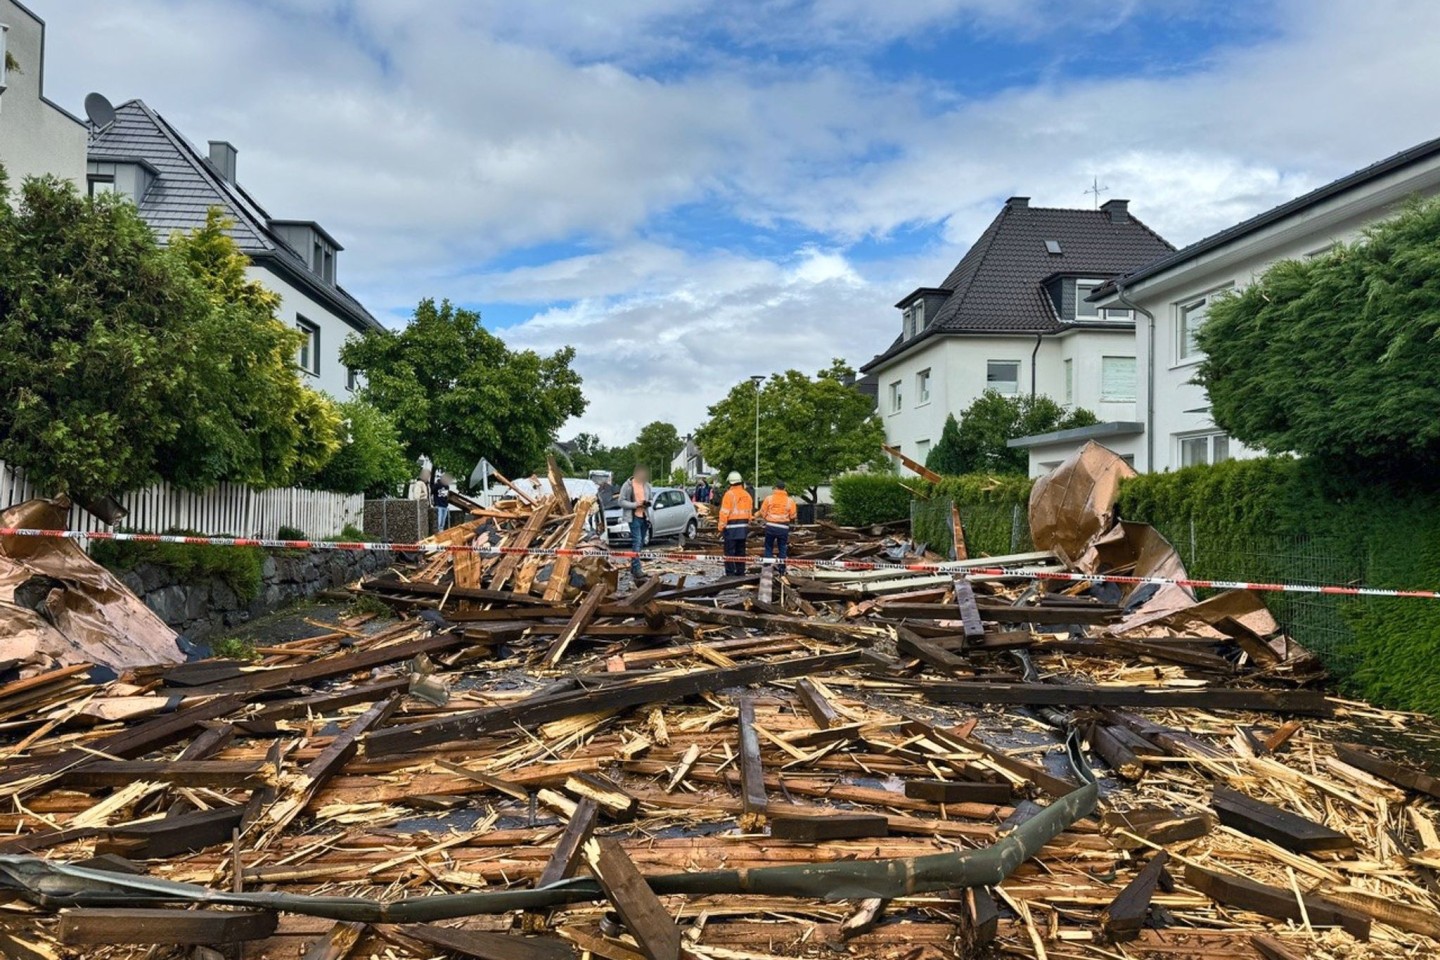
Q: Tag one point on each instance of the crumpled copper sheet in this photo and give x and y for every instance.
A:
(1075, 502)
(1138, 549)
(89, 616)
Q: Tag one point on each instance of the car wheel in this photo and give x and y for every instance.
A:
(692, 528)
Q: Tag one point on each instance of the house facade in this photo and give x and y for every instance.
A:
(1015, 316)
(174, 186)
(36, 136)
(1172, 295)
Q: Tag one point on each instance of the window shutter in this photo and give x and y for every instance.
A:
(1117, 378)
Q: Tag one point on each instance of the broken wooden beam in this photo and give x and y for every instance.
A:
(837, 826)
(584, 614)
(569, 848)
(1115, 695)
(820, 709)
(1411, 778)
(1269, 822)
(482, 945)
(1278, 902)
(969, 612)
(752, 772)
(617, 696)
(101, 925)
(1122, 919)
(958, 791)
(645, 918)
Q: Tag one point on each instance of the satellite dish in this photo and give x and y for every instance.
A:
(99, 110)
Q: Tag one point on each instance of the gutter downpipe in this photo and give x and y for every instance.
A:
(1033, 354)
(1149, 375)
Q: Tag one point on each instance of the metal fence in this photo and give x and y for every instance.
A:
(991, 529)
(225, 509)
(1318, 622)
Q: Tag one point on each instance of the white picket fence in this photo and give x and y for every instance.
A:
(227, 508)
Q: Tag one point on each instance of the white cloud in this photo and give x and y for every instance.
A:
(433, 135)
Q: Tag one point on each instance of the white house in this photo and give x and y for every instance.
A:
(36, 136)
(174, 186)
(1013, 316)
(1172, 296)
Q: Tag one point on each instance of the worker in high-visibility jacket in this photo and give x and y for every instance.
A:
(736, 508)
(777, 512)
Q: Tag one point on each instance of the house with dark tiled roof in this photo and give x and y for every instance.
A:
(1172, 294)
(1014, 317)
(174, 186)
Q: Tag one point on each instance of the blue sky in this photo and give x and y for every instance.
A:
(690, 191)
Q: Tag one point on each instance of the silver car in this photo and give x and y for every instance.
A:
(671, 515)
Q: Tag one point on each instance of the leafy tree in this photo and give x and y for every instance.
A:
(457, 393)
(1337, 357)
(655, 447)
(948, 455)
(371, 459)
(92, 313)
(811, 429)
(245, 415)
(992, 420)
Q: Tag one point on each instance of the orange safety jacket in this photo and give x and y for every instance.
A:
(778, 510)
(736, 506)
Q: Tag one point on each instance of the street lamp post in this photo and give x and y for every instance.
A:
(757, 379)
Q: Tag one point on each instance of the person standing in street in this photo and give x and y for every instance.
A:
(736, 508)
(777, 512)
(635, 509)
(702, 491)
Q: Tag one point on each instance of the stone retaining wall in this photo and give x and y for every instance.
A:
(199, 609)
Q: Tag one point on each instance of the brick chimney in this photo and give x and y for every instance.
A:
(222, 158)
(1118, 210)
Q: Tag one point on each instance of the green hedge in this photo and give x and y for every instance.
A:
(1276, 519)
(987, 504)
(240, 567)
(862, 499)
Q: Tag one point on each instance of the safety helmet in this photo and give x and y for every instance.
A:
(735, 477)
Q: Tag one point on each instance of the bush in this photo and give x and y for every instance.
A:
(290, 533)
(992, 511)
(240, 567)
(862, 499)
(1278, 520)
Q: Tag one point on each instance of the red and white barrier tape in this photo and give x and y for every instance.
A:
(681, 555)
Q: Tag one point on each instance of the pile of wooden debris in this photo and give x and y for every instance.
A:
(531, 762)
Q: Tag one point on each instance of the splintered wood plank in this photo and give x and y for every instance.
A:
(480, 945)
(584, 614)
(820, 709)
(218, 774)
(838, 826)
(1411, 778)
(1122, 919)
(911, 644)
(338, 943)
(919, 469)
(142, 926)
(610, 796)
(1117, 754)
(557, 480)
(752, 772)
(524, 537)
(560, 569)
(767, 583)
(969, 613)
(166, 837)
(612, 696)
(1278, 902)
(637, 904)
(1059, 694)
(1269, 822)
(568, 850)
(957, 533)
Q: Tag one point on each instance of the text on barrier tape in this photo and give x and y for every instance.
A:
(681, 555)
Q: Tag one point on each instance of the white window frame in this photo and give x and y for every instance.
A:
(1069, 366)
(1107, 392)
(1182, 310)
(922, 451)
(922, 387)
(990, 381)
(1212, 440)
(308, 357)
(897, 399)
(1079, 300)
(352, 379)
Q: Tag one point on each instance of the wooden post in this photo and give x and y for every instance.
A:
(752, 773)
(637, 904)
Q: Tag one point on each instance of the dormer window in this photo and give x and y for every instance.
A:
(914, 319)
